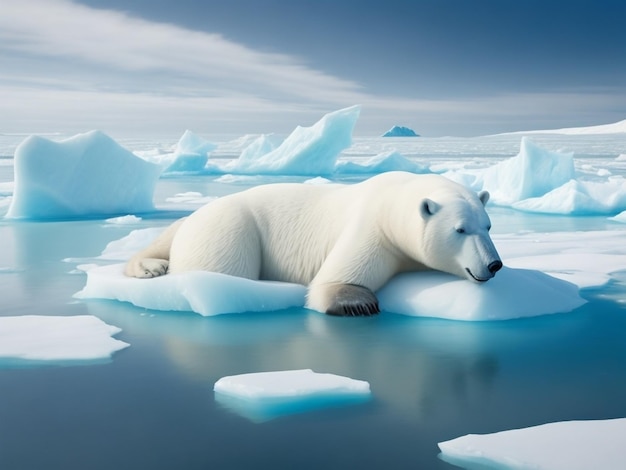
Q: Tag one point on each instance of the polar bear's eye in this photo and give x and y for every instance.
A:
(460, 230)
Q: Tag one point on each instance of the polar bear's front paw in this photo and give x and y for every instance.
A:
(351, 300)
(147, 268)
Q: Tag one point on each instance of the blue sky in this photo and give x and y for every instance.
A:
(442, 67)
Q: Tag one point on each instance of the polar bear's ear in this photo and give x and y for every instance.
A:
(428, 207)
(484, 197)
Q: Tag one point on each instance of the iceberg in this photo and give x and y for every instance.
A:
(43, 338)
(566, 445)
(400, 131)
(261, 146)
(88, 175)
(190, 156)
(579, 198)
(534, 172)
(307, 151)
(263, 396)
(386, 161)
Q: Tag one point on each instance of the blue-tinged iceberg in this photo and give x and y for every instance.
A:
(307, 151)
(88, 175)
(532, 173)
(400, 131)
(190, 155)
(387, 161)
(543, 181)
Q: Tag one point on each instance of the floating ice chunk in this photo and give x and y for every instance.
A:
(42, 338)
(193, 144)
(308, 150)
(124, 220)
(400, 131)
(621, 217)
(190, 197)
(388, 161)
(202, 292)
(318, 180)
(577, 197)
(567, 445)
(191, 154)
(532, 173)
(262, 145)
(513, 293)
(266, 395)
(84, 176)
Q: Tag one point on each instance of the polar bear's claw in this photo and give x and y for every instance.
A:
(147, 268)
(352, 300)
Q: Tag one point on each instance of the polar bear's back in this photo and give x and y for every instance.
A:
(279, 232)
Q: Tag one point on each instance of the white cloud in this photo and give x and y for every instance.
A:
(70, 67)
(94, 46)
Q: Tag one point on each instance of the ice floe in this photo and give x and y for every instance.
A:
(54, 338)
(567, 445)
(543, 275)
(262, 396)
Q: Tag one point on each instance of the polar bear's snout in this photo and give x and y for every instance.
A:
(481, 256)
(494, 267)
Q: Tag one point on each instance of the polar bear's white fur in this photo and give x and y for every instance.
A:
(343, 241)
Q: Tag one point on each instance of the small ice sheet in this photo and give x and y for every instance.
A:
(266, 395)
(568, 445)
(43, 338)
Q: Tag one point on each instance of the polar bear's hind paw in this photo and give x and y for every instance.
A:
(353, 301)
(147, 268)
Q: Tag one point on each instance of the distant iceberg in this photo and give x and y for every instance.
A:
(190, 155)
(532, 173)
(543, 181)
(308, 151)
(387, 161)
(613, 128)
(88, 175)
(400, 131)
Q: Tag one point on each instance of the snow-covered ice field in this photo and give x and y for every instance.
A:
(549, 347)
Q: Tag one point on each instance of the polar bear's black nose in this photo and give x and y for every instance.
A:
(494, 266)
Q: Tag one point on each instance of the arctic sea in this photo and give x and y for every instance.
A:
(152, 404)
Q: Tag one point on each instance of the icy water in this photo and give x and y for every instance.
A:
(152, 405)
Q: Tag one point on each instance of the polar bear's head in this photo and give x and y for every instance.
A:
(456, 237)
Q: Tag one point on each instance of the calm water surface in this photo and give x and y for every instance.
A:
(152, 406)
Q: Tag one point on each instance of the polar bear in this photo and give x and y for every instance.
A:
(343, 241)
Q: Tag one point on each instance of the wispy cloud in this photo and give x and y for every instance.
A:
(74, 67)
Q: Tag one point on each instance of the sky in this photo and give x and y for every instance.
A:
(441, 67)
